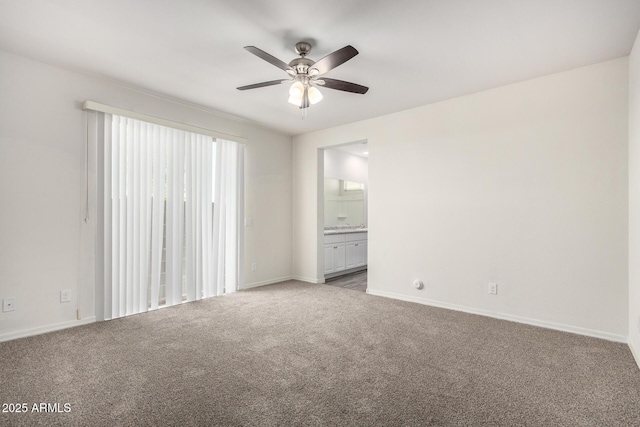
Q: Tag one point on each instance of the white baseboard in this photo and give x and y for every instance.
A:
(307, 279)
(266, 282)
(534, 322)
(635, 353)
(44, 329)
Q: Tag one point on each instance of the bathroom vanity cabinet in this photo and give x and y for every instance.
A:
(344, 252)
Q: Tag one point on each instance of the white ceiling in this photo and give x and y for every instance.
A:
(412, 52)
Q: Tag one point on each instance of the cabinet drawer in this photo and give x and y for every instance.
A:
(356, 236)
(333, 238)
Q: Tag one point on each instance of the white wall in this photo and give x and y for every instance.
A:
(634, 200)
(42, 134)
(525, 185)
(345, 166)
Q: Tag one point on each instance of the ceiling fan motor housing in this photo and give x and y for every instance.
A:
(303, 48)
(301, 65)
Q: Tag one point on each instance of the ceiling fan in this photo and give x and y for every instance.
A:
(305, 74)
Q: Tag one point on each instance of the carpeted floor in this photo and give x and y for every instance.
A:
(300, 354)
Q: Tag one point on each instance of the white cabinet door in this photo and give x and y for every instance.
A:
(352, 255)
(339, 256)
(334, 257)
(329, 263)
(360, 252)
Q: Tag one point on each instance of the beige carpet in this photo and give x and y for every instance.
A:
(300, 354)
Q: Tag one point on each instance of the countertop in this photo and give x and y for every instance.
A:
(345, 231)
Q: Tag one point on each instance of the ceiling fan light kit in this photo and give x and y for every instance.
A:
(315, 95)
(305, 74)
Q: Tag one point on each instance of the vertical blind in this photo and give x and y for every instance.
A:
(228, 216)
(165, 240)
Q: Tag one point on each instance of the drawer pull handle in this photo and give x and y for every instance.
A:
(335, 247)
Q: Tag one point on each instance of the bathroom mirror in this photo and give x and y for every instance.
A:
(344, 203)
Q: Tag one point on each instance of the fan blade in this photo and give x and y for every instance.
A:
(334, 59)
(305, 98)
(269, 58)
(263, 84)
(345, 86)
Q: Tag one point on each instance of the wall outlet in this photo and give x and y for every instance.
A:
(248, 222)
(493, 288)
(65, 296)
(8, 304)
(254, 266)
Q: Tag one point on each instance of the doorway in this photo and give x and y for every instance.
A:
(344, 182)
